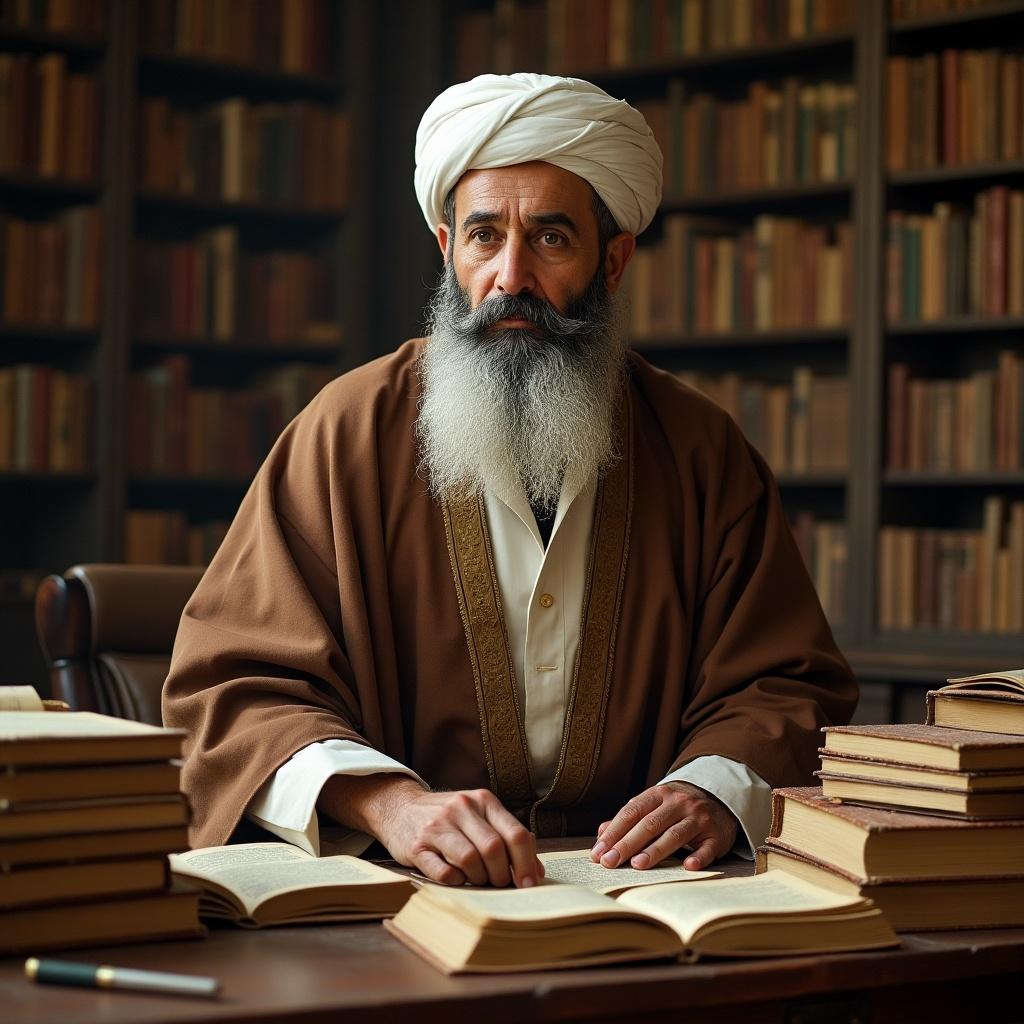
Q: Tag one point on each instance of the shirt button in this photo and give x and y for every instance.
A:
(546, 600)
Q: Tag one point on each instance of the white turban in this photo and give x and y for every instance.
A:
(500, 120)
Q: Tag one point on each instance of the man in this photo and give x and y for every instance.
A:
(510, 580)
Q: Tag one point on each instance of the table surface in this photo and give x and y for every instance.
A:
(359, 972)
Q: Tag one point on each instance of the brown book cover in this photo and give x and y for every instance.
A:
(950, 106)
(161, 916)
(866, 766)
(928, 745)
(912, 904)
(926, 799)
(996, 698)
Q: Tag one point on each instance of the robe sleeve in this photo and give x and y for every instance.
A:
(259, 668)
(765, 673)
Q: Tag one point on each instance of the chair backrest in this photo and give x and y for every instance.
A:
(107, 632)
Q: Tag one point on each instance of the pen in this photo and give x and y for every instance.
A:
(65, 972)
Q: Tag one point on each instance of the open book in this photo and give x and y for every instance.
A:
(258, 884)
(558, 925)
(576, 868)
(991, 702)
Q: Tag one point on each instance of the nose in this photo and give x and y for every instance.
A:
(515, 272)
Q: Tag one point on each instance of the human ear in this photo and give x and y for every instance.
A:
(617, 255)
(442, 240)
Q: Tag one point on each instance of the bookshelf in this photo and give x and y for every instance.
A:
(298, 221)
(852, 44)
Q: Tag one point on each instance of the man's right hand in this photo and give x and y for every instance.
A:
(452, 838)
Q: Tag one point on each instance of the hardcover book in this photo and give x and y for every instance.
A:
(991, 702)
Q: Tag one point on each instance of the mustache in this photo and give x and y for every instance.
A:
(524, 307)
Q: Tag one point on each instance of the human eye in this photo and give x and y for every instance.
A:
(482, 235)
(553, 240)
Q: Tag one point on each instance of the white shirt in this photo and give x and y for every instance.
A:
(542, 602)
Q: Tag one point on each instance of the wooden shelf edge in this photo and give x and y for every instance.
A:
(782, 336)
(234, 349)
(49, 479)
(907, 26)
(757, 197)
(39, 39)
(934, 666)
(954, 172)
(231, 208)
(901, 478)
(956, 325)
(206, 65)
(719, 58)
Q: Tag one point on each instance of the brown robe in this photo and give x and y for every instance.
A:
(346, 603)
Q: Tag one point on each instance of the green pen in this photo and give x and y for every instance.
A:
(66, 972)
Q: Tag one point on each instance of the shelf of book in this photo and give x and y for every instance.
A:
(972, 325)
(221, 210)
(767, 199)
(985, 11)
(237, 350)
(748, 59)
(1009, 479)
(795, 336)
(954, 173)
(232, 77)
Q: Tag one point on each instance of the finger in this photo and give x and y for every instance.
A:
(458, 851)
(651, 828)
(632, 813)
(684, 832)
(602, 827)
(519, 843)
(703, 855)
(437, 869)
(489, 845)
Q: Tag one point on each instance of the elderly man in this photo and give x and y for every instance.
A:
(510, 580)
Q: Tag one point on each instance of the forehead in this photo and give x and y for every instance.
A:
(537, 186)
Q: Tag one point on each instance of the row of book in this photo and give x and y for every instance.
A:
(800, 426)
(826, 553)
(954, 107)
(581, 36)
(178, 429)
(210, 288)
(74, 17)
(706, 276)
(798, 133)
(973, 425)
(90, 808)
(166, 537)
(45, 420)
(956, 261)
(296, 36)
(963, 580)
(51, 270)
(49, 118)
(926, 821)
(286, 153)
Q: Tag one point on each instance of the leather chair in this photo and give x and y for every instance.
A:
(107, 633)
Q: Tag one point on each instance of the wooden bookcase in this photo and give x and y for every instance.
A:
(53, 519)
(895, 667)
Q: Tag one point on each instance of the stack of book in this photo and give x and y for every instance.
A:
(926, 820)
(89, 811)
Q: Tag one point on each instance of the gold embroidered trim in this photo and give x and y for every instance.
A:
(588, 698)
(476, 585)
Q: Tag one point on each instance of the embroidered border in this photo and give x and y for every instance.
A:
(588, 698)
(476, 585)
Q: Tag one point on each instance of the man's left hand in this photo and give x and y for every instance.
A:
(660, 820)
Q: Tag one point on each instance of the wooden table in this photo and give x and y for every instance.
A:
(360, 973)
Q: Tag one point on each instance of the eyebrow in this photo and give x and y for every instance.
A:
(540, 219)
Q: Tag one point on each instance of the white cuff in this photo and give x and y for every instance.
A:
(286, 803)
(742, 790)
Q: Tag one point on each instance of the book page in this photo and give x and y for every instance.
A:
(687, 908)
(255, 872)
(47, 725)
(19, 698)
(576, 868)
(1009, 681)
(547, 901)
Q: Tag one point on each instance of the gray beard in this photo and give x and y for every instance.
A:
(510, 410)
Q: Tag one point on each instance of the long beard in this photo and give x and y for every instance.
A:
(515, 408)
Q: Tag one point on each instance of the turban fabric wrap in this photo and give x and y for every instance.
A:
(500, 120)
